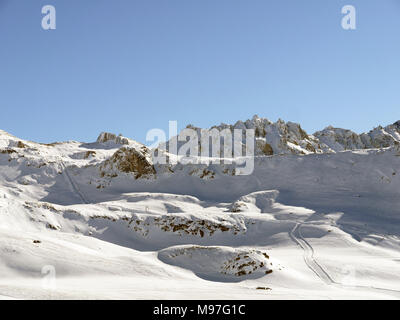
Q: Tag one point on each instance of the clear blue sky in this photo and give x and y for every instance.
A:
(127, 66)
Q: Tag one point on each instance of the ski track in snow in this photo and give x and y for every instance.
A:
(315, 267)
(309, 259)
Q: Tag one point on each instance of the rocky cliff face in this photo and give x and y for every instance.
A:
(281, 138)
(340, 139)
(272, 138)
(278, 138)
(106, 137)
(129, 161)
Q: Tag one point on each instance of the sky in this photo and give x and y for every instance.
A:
(128, 66)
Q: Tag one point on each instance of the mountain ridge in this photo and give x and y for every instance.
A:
(326, 140)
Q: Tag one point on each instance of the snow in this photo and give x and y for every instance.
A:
(305, 224)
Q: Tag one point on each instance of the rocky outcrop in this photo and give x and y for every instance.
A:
(340, 139)
(130, 161)
(279, 138)
(106, 137)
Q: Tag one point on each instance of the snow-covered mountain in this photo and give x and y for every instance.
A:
(318, 217)
(289, 138)
(340, 139)
(279, 138)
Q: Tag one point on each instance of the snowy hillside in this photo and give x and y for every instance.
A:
(317, 218)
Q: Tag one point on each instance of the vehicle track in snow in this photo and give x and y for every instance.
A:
(313, 265)
(74, 187)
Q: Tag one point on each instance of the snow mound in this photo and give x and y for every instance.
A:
(261, 201)
(223, 264)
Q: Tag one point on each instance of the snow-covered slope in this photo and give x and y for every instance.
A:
(318, 218)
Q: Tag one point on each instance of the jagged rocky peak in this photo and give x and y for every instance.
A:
(382, 137)
(339, 139)
(105, 137)
(281, 137)
(393, 128)
(277, 137)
